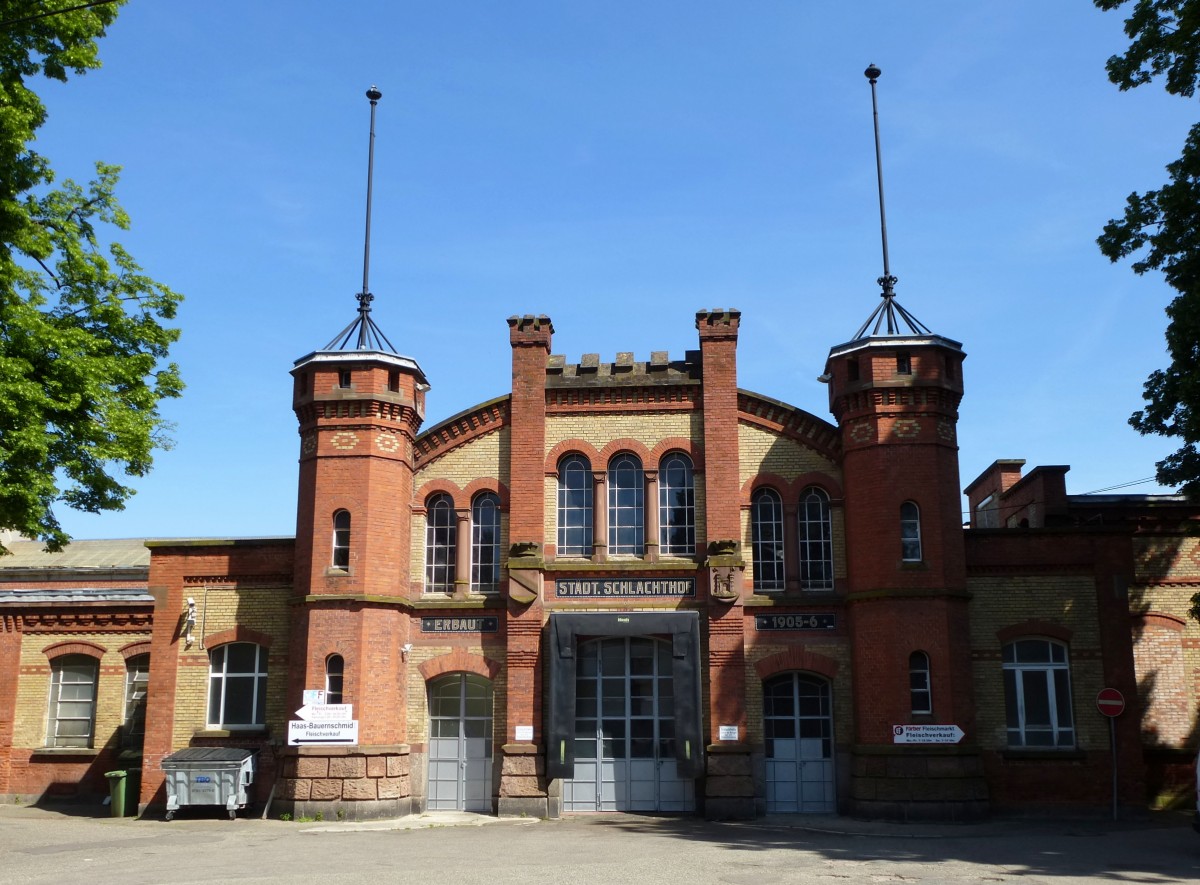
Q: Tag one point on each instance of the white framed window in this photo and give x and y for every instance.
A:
(335, 669)
(815, 524)
(137, 677)
(485, 542)
(237, 686)
(626, 506)
(676, 506)
(919, 690)
(910, 532)
(72, 719)
(1037, 694)
(766, 539)
(574, 506)
(341, 539)
(441, 531)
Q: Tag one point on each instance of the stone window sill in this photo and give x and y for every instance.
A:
(82, 752)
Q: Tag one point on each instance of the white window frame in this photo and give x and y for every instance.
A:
(137, 678)
(575, 484)
(920, 684)
(626, 505)
(676, 506)
(441, 541)
(67, 677)
(485, 542)
(220, 681)
(335, 672)
(815, 528)
(910, 532)
(1044, 664)
(341, 540)
(766, 540)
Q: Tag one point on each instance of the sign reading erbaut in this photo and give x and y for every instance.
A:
(486, 624)
(624, 587)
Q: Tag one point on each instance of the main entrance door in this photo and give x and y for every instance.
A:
(460, 743)
(625, 730)
(798, 727)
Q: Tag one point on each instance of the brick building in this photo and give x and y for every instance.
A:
(631, 585)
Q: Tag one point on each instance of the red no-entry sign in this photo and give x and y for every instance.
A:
(1110, 702)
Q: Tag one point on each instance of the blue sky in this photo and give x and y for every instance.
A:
(618, 166)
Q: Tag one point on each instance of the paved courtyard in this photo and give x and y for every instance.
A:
(73, 844)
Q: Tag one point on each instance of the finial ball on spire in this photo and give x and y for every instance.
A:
(374, 94)
(872, 73)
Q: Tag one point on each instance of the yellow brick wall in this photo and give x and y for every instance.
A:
(1067, 601)
(486, 455)
(264, 609)
(33, 687)
(763, 451)
(648, 428)
(418, 690)
(841, 689)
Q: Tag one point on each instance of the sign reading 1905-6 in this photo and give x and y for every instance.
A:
(592, 588)
(795, 622)
(460, 625)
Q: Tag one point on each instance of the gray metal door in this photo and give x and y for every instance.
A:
(798, 728)
(625, 730)
(460, 743)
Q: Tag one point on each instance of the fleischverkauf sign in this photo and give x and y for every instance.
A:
(623, 588)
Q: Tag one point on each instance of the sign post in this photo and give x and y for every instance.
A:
(1111, 703)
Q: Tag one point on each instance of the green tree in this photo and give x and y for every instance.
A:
(82, 345)
(1161, 228)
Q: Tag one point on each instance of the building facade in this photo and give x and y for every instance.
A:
(634, 586)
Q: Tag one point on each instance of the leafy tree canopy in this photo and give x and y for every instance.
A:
(82, 346)
(1161, 228)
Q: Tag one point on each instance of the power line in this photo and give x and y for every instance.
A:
(30, 18)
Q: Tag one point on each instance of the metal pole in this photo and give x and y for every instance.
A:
(374, 95)
(1112, 740)
(872, 73)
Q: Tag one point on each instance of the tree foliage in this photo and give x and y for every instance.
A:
(83, 347)
(1161, 228)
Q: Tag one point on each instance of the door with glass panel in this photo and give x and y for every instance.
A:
(625, 729)
(798, 732)
(460, 743)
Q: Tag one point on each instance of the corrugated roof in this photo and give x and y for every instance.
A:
(121, 553)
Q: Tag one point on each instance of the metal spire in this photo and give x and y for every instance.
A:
(889, 316)
(363, 331)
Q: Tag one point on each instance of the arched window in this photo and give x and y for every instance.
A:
(626, 506)
(72, 720)
(910, 532)
(441, 528)
(574, 506)
(335, 669)
(676, 506)
(237, 686)
(485, 542)
(921, 698)
(816, 540)
(341, 539)
(137, 677)
(1037, 694)
(766, 539)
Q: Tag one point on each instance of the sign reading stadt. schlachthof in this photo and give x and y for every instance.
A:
(624, 587)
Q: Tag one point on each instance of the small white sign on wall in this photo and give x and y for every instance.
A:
(727, 733)
(314, 695)
(525, 733)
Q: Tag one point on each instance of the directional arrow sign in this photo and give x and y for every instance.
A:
(926, 734)
(328, 733)
(326, 712)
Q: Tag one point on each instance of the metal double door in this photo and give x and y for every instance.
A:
(625, 729)
(460, 744)
(798, 732)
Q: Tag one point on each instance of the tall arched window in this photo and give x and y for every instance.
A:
(485, 542)
(676, 506)
(766, 539)
(816, 540)
(574, 506)
(920, 695)
(910, 532)
(237, 686)
(137, 677)
(626, 506)
(72, 719)
(335, 669)
(341, 539)
(441, 531)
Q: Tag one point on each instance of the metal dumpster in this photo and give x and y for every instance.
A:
(209, 776)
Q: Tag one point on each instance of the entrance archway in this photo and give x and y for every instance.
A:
(798, 732)
(460, 743)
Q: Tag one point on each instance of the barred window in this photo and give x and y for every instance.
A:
(485, 542)
(626, 506)
(766, 539)
(441, 529)
(574, 506)
(676, 506)
(816, 540)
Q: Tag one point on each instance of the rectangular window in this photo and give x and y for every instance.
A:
(1037, 694)
(72, 701)
(137, 677)
(903, 364)
(237, 686)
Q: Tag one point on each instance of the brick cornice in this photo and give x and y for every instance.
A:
(796, 424)
(461, 428)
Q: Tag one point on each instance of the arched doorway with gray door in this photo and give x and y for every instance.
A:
(460, 743)
(798, 734)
